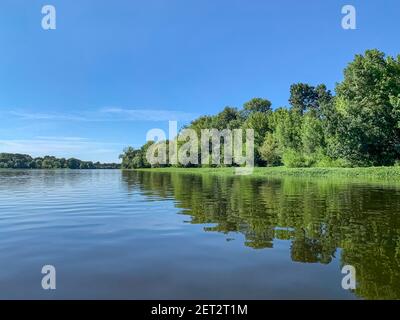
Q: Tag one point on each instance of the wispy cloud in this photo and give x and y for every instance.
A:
(148, 114)
(45, 116)
(66, 147)
(106, 114)
(61, 138)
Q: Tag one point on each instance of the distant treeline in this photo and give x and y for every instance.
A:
(24, 161)
(359, 125)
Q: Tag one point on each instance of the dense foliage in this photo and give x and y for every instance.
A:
(23, 161)
(359, 126)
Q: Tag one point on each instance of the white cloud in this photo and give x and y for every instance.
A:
(148, 114)
(106, 114)
(61, 138)
(45, 116)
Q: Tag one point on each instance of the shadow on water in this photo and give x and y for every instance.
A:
(358, 223)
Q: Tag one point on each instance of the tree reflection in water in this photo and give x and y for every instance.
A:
(360, 222)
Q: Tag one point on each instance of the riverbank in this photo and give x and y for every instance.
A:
(392, 173)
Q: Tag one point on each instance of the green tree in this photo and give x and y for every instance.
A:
(269, 150)
(367, 104)
(312, 134)
(259, 122)
(229, 118)
(257, 105)
(304, 97)
(288, 129)
(73, 163)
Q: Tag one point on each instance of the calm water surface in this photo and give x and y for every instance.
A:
(147, 235)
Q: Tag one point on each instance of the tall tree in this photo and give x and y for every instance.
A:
(257, 105)
(304, 97)
(367, 103)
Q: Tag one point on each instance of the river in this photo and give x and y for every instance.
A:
(145, 235)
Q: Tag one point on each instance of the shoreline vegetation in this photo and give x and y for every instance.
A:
(24, 161)
(357, 126)
(373, 173)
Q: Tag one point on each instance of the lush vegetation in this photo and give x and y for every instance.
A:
(368, 173)
(23, 161)
(358, 126)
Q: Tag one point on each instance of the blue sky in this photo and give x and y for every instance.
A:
(112, 70)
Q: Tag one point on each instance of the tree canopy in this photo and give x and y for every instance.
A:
(359, 125)
(24, 161)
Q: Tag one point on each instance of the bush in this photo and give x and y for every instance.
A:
(294, 159)
(328, 162)
(269, 151)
